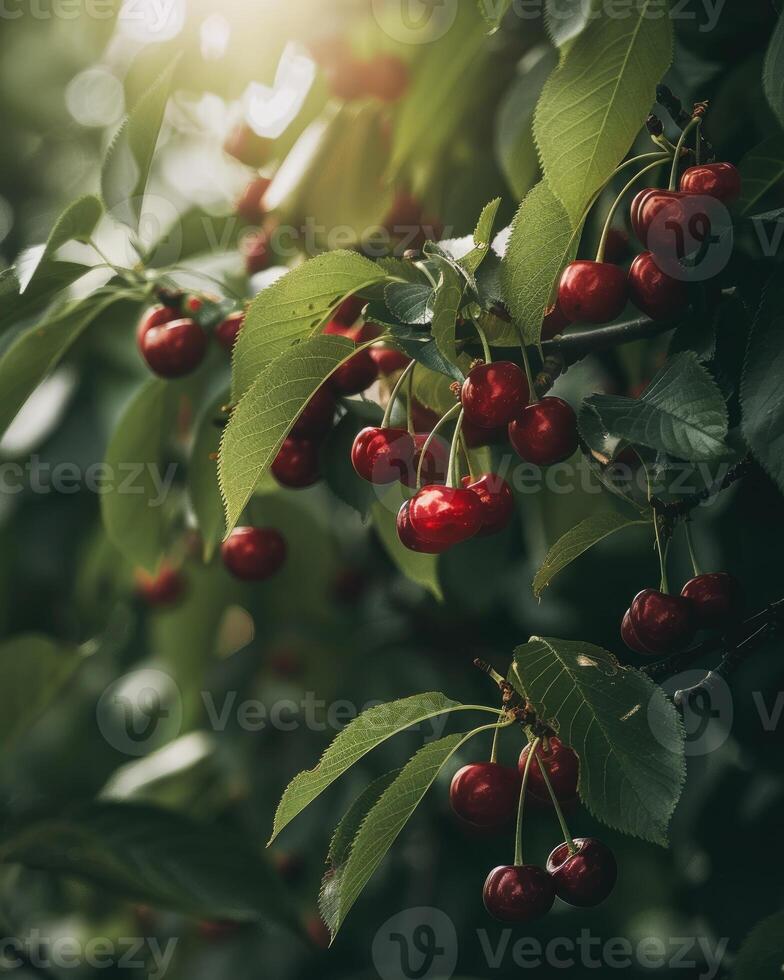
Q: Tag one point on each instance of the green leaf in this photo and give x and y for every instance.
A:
(494, 12)
(51, 278)
(594, 104)
(543, 241)
(627, 734)
(421, 569)
(761, 393)
(132, 504)
(126, 166)
(762, 954)
(410, 302)
(203, 478)
(34, 670)
(761, 169)
(578, 540)
(76, 223)
(565, 20)
(682, 412)
(262, 420)
(359, 737)
(428, 355)
(295, 308)
(483, 237)
(154, 856)
(385, 821)
(773, 72)
(33, 355)
(446, 305)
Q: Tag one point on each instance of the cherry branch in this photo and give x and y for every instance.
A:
(677, 509)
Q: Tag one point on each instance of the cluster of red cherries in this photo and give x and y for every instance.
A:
(598, 291)
(485, 796)
(658, 623)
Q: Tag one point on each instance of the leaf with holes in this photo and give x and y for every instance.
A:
(627, 734)
(595, 103)
(682, 412)
(761, 169)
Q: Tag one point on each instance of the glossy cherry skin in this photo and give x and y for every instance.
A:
(555, 322)
(493, 394)
(256, 252)
(584, 879)
(518, 894)
(383, 456)
(666, 221)
(717, 600)
(156, 317)
(546, 432)
(663, 623)
(436, 461)
(653, 291)
(297, 464)
(254, 554)
(174, 349)
(629, 635)
(409, 537)
(563, 770)
(317, 416)
(719, 180)
(592, 292)
(387, 78)
(163, 589)
(226, 333)
(250, 203)
(445, 515)
(388, 360)
(649, 203)
(485, 794)
(498, 505)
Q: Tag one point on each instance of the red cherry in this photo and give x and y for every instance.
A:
(256, 251)
(617, 246)
(317, 416)
(297, 463)
(563, 769)
(226, 333)
(518, 893)
(655, 292)
(497, 500)
(446, 515)
(349, 311)
(545, 432)
(318, 932)
(485, 794)
(358, 373)
(329, 49)
(436, 461)
(555, 322)
(156, 317)
(717, 600)
(667, 221)
(388, 78)
(719, 180)
(388, 360)
(585, 878)
(629, 635)
(383, 456)
(254, 554)
(174, 349)
(409, 537)
(493, 394)
(663, 623)
(250, 204)
(165, 588)
(592, 292)
(349, 79)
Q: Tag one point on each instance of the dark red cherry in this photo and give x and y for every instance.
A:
(518, 893)
(592, 292)
(317, 416)
(349, 311)
(562, 765)
(545, 432)
(717, 600)
(497, 500)
(226, 333)
(175, 348)
(349, 78)
(663, 623)
(485, 794)
(629, 635)
(387, 78)
(388, 360)
(436, 461)
(655, 292)
(254, 554)
(652, 201)
(297, 464)
(555, 322)
(256, 251)
(617, 246)
(250, 203)
(446, 515)
(409, 537)
(163, 589)
(584, 878)
(156, 317)
(359, 372)
(383, 456)
(719, 180)
(493, 394)
(672, 223)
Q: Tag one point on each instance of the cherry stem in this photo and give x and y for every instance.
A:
(660, 158)
(665, 582)
(694, 124)
(466, 454)
(451, 472)
(494, 749)
(483, 338)
(410, 401)
(569, 840)
(692, 553)
(533, 397)
(395, 392)
(518, 860)
(449, 415)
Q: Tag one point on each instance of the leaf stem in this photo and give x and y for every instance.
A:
(692, 553)
(410, 401)
(660, 158)
(568, 839)
(395, 392)
(494, 749)
(483, 338)
(467, 455)
(533, 397)
(694, 124)
(451, 473)
(449, 415)
(518, 859)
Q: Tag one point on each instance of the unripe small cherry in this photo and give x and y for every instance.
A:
(175, 348)
(254, 554)
(493, 394)
(297, 464)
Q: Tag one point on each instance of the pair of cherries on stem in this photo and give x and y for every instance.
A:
(173, 345)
